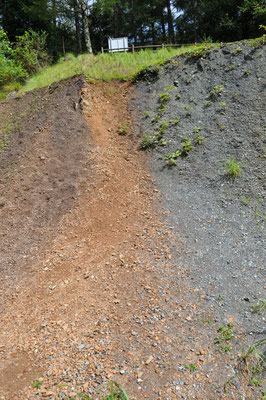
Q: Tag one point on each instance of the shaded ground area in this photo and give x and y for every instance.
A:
(98, 285)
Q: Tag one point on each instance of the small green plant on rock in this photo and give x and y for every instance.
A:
(208, 102)
(198, 139)
(247, 72)
(232, 168)
(146, 114)
(187, 146)
(113, 391)
(123, 130)
(226, 333)
(163, 99)
(37, 384)
(186, 107)
(237, 51)
(217, 91)
(148, 141)
(155, 119)
(254, 362)
(163, 127)
(259, 307)
(171, 158)
(191, 367)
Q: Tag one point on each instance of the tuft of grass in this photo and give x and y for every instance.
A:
(124, 129)
(191, 367)
(36, 384)
(226, 333)
(260, 306)
(232, 168)
(106, 67)
(114, 392)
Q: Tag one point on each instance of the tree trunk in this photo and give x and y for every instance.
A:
(153, 33)
(77, 25)
(133, 21)
(116, 21)
(171, 32)
(86, 26)
(196, 20)
(163, 28)
(54, 14)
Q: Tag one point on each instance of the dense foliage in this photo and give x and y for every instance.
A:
(84, 25)
(25, 57)
(69, 22)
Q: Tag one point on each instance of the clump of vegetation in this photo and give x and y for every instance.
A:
(237, 51)
(232, 168)
(26, 57)
(190, 367)
(149, 141)
(182, 152)
(226, 333)
(254, 362)
(106, 67)
(171, 158)
(229, 67)
(124, 129)
(197, 138)
(11, 70)
(186, 107)
(216, 91)
(155, 119)
(259, 307)
(199, 52)
(112, 391)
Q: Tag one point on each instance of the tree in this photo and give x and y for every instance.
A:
(83, 6)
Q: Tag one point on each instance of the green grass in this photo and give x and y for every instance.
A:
(106, 67)
(232, 168)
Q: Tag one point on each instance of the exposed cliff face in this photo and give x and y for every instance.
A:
(204, 118)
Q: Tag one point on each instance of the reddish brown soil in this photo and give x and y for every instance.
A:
(86, 272)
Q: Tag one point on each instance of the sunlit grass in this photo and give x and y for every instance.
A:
(106, 67)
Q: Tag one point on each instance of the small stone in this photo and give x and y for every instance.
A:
(149, 360)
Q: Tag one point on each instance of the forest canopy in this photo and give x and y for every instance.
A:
(85, 25)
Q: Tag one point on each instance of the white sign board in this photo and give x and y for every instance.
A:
(118, 44)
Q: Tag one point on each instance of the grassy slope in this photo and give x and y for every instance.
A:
(103, 66)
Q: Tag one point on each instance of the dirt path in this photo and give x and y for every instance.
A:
(105, 298)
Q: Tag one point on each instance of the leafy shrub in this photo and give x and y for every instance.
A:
(30, 51)
(10, 69)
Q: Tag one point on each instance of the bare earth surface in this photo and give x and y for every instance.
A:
(94, 285)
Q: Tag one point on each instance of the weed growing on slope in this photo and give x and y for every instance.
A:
(197, 138)
(232, 168)
(124, 129)
(171, 158)
(191, 367)
(150, 141)
(259, 307)
(113, 391)
(36, 384)
(237, 51)
(186, 107)
(216, 91)
(226, 333)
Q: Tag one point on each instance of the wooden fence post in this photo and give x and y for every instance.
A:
(133, 48)
(102, 50)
